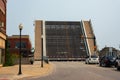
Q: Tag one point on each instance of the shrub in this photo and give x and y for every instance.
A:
(9, 59)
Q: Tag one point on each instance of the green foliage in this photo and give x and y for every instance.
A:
(9, 58)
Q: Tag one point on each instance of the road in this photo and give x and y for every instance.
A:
(79, 71)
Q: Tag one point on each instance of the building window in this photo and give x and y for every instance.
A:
(1, 24)
(23, 45)
(8, 44)
(0, 56)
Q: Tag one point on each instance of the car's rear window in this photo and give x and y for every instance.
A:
(94, 57)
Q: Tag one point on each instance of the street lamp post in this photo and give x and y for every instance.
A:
(42, 54)
(20, 72)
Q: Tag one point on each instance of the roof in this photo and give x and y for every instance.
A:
(17, 36)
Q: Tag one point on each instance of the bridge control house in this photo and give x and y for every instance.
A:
(64, 40)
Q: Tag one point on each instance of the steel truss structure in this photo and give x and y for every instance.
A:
(63, 39)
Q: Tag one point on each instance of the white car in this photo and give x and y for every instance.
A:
(92, 59)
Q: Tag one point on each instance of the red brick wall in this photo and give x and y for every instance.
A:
(14, 40)
(2, 5)
(3, 13)
(15, 50)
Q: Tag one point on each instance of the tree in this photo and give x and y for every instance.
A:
(9, 60)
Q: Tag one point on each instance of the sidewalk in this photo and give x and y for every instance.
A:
(11, 73)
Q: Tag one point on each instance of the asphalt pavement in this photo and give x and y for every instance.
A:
(79, 71)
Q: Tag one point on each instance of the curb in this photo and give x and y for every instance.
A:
(43, 75)
(28, 71)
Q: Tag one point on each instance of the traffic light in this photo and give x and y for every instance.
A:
(95, 47)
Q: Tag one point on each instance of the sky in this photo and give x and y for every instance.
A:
(104, 14)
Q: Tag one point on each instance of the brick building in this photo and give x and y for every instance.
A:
(64, 39)
(14, 44)
(109, 51)
(2, 29)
